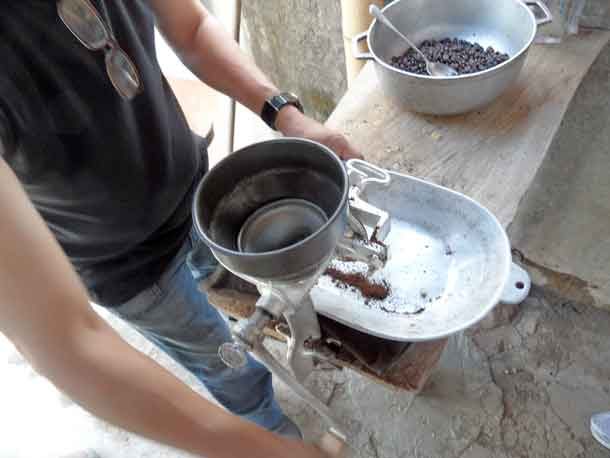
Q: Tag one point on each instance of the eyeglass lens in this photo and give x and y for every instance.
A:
(85, 23)
(122, 73)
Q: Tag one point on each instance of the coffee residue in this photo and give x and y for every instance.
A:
(367, 287)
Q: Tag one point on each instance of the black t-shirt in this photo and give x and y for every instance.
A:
(112, 178)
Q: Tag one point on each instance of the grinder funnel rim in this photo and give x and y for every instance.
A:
(288, 141)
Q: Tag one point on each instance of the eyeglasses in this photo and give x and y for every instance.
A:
(86, 24)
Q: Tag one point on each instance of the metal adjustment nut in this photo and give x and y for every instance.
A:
(234, 355)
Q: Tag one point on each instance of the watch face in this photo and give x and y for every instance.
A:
(279, 101)
(274, 104)
(289, 98)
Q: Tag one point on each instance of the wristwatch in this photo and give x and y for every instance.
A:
(274, 104)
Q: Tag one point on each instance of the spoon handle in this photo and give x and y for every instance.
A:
(378, 14)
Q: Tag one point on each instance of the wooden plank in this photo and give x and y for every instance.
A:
(491, 155)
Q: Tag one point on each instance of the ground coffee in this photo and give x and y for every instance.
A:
(367, 287)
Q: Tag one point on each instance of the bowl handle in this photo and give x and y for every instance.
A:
(359, 55)
(548, 16)
(361, 173)
(362, 213)
(518, 286)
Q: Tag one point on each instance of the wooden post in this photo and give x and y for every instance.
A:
(236, 36)
(355, 19)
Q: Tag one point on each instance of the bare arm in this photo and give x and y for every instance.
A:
(44, 311)
(212, 54)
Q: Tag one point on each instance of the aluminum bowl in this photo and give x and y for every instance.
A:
(509, 26)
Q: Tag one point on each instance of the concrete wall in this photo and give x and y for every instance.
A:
(299, 44)
(597, 14)
(563, 223)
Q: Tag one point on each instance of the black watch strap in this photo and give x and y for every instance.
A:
(274, 104)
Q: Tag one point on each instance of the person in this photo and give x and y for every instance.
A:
(97, 170)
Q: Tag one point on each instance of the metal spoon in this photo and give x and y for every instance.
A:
(433, 68)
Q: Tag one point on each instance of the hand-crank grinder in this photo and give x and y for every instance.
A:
(275, 214)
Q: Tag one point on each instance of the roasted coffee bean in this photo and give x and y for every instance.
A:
(462, 55)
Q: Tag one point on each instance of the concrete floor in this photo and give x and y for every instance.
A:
(523, 384)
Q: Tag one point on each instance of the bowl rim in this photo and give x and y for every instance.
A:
(494, 69)
(341, 207)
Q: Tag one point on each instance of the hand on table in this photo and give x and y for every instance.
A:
(292, 123)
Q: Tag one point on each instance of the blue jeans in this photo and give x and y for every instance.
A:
(178, 318)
